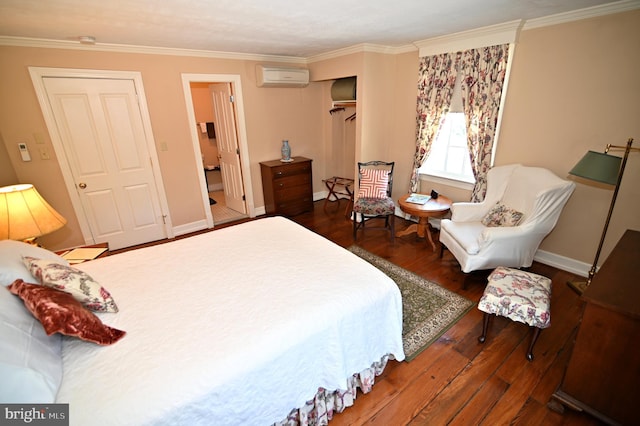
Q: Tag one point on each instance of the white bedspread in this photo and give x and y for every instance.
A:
(232, 327)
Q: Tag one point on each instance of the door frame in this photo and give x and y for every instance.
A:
(236, 86)
(37, 76)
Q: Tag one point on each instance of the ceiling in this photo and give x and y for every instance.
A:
(297, 28)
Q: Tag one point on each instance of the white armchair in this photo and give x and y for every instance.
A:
(535, 192)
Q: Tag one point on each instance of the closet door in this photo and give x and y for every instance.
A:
(100, 125)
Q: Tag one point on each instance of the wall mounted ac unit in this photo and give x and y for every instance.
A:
(268, 76)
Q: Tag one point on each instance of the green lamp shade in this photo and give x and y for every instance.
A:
(598, 166)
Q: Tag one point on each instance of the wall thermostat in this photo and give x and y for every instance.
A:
(24, 152)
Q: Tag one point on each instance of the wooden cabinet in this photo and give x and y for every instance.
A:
(287, 187)
(604, 369)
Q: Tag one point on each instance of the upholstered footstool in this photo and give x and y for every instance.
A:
(520, 296)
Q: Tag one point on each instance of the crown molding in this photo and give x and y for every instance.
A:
(149, 50)
(124, 48)
(504, 33)
(508, 32)
(360, 48)
(586, 13)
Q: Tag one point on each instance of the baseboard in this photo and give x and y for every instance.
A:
(320, 195)
(190, 227)
(561, 262)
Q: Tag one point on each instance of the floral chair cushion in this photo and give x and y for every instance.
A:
(501, 215)
(518, 295)
(374, 206)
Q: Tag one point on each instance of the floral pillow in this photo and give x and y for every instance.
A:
(374, 183)
(60, 312)
(75, 282)
(501, 215)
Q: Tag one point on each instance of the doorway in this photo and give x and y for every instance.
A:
(222, 160)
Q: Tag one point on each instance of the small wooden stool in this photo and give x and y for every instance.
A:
(520, 296)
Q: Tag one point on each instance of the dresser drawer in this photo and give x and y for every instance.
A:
(290, 181)
(293, 192)
(291, 170)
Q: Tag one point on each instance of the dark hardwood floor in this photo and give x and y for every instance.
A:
(456, 380)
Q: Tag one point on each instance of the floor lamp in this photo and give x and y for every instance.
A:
(604, 168)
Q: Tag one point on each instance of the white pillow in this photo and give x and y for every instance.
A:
(30, 361)
(11, 266)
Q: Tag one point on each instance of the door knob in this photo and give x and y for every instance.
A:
(82, 185)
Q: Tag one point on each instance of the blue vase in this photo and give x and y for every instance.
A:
(286, 151)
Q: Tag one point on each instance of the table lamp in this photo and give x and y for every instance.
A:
(25, 215)
(608, 169)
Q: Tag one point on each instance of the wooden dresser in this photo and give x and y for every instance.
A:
(287, 187)
(604, 369)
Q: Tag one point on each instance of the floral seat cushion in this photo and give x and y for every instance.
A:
(518, 295)
(374, 206)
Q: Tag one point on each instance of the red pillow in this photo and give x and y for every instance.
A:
(59, 312)
(374, 183)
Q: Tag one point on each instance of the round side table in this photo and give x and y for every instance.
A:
(433, 208)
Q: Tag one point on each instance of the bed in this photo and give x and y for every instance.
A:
(257, 323)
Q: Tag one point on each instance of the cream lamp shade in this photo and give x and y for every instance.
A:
(25, 215)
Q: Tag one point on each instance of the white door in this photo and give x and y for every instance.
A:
(228, 151)
(101, 129)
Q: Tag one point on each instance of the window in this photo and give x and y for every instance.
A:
(449, 155)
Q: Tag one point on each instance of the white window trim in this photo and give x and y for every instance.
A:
(446, 181)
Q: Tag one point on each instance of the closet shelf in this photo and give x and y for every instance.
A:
(337, 104)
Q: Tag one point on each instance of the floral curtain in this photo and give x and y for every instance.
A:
(436, 78)
(483, 71)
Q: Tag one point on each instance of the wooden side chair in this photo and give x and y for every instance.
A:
(375, 182)
(520, 296)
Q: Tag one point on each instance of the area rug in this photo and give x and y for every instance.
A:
(428, 310)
